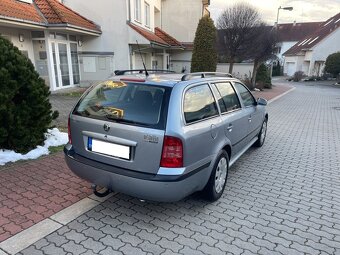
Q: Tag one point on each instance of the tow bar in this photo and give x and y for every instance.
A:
(100, 194)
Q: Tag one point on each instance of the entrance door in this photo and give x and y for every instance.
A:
(62, 68)
(63, 65)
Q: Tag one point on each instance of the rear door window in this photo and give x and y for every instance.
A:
(228, 100)
(247, 97)
(131, 103)
(199, 104)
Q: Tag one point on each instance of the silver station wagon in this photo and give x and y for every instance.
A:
(163, 136)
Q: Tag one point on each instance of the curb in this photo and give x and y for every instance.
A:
(29, 236)
(281, 95)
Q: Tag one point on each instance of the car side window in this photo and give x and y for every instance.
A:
(199, 104)
(229, 100)
(247, 97)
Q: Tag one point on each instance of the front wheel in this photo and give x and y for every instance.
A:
(262, 135)
(218, 178)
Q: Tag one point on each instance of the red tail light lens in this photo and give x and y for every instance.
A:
(172, 154)
(69, 131)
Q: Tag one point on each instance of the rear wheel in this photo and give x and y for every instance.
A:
(218, 178)
(262, 135)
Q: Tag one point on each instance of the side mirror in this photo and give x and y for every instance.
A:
(262, 101)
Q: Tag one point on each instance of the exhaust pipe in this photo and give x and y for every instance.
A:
(100, 194)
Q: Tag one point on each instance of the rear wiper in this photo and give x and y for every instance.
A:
(120, 120)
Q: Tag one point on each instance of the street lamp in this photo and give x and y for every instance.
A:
(278, 11)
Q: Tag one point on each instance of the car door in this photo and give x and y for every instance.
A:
(202, 122)
(254, 115)
(234, 118)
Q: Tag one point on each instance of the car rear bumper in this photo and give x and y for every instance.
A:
(162, 188)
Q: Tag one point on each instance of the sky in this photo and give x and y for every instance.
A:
(304, 11)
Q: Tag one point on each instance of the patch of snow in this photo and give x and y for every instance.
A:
(53, 138)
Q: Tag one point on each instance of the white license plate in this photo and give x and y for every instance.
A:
(111, 149)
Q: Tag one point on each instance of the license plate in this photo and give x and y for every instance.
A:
(111, 149)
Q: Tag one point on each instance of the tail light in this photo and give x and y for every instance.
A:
(69, 131)
(172, 154)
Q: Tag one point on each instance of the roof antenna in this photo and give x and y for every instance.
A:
(140, 53)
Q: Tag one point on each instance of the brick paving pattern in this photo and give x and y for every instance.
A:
(272, 93)
(35, 190)
(283, 198)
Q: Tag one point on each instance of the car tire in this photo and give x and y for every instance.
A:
(218, 178)
(262, 135)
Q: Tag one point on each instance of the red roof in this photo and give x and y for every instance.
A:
(314, 38)
(159, 36)
(167, 38)
(148, 34)
(296, 31)
(46, 12)
(20, 10)
(57, 13)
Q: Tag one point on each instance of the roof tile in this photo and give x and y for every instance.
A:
(20, 10)
(167, 38)
(52, 12)
(148, 35)
(57, 13)
(296, 31)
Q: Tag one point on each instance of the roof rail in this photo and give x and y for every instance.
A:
(189, 76)
(141, 71)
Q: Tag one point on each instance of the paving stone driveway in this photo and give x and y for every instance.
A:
(281, 199)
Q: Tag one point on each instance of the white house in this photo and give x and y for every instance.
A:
(68, 49)
(310, 53)
(50, 34)
(164, 30)
(290, 33)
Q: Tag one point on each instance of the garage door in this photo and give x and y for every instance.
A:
(290, 68)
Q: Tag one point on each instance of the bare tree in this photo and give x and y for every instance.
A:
(262, 48)
(235, 36)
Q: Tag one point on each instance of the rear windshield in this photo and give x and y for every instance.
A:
(130, 103)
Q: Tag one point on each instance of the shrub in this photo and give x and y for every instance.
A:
(298, 76)
(332, 64)
(204, 55)
(25, 111)
(263, 77)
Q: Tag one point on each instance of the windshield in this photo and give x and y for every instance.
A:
(132, 103)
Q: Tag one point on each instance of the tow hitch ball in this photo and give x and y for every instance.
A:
(99, 194)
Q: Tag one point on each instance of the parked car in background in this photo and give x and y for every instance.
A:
(164, 136)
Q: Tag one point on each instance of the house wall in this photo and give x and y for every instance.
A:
(181, 60)
(111, 44)
(323, 49)
(13, 35)
(284, 47)
(154, 4)
(180, 18)
(240, 70)
(311, 62)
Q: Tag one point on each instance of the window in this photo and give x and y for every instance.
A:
(137, 10)
(247, 97)
(130, 103)
(147, 14)
(229, 100)
(199, 104)
(75, 63)
(38, 34)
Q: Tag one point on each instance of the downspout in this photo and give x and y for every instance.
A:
(129, 10)
(161, 14)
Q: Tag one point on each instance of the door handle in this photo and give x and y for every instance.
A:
(230, 128)
(249, 119)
